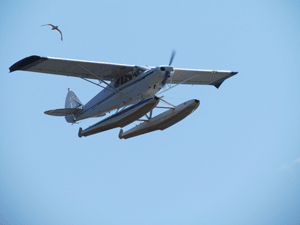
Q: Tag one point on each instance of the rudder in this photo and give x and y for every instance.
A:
(72, 101)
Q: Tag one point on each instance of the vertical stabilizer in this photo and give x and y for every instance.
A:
(72, 101)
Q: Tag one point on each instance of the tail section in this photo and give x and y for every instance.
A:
(72, 102)
(62, 112)
(72, 106)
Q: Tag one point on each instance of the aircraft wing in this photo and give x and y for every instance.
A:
(71, 67)
(194, 76)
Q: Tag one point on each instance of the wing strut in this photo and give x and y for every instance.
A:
(117, 91)
(173, 106)
(93, 83)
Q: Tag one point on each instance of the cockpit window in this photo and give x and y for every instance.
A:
(126, 78)
(117, 83)
(123, 80)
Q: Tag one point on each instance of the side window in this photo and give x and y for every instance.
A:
(117, 83)
(125, 79)
(135, 74)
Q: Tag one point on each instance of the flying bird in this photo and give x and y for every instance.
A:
(55, 28)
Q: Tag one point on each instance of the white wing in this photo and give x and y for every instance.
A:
(70, 67)
(194, 76)
(112, 71)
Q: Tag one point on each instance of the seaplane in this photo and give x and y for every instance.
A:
(129, 92)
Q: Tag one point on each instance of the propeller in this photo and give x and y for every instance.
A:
(172, 57)
(168, 72)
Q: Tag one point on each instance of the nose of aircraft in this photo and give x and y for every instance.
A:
(167, 72)
(166, 68)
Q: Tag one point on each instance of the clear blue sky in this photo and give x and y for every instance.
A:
(235, 160)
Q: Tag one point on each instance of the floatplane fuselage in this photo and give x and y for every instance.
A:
(126, 90)
(131, 92)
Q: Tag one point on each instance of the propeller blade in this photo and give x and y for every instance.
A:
(172, 57)
(167, 73)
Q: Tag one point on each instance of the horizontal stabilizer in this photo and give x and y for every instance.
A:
(62, 112)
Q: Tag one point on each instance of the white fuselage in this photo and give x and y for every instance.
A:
(147, 84)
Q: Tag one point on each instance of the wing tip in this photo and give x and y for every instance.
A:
(218, 83)
(26, 63)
